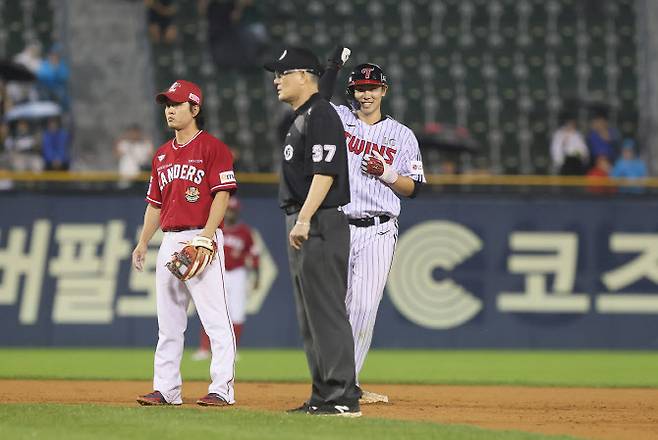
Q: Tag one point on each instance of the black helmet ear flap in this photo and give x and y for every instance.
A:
(351, 100)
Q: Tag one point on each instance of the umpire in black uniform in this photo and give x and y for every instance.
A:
(314, 185)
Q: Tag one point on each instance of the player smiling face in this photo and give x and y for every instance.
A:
(369, 97)
(180, 115)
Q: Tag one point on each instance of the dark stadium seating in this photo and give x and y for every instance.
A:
(23, 22)
(501, 68)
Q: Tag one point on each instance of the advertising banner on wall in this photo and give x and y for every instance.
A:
(469, 271)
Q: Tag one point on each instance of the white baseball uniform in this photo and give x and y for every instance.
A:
(372, 247)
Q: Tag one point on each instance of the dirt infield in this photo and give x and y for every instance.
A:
(594, 413)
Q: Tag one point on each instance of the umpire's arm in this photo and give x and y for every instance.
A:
(320, 186)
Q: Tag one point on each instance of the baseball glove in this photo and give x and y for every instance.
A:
(191, 261)
(375, 165)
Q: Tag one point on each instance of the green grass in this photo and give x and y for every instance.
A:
(533, 368)
(72, 422)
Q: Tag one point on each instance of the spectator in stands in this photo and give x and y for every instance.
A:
(600, 171)
(252, 30)
(602, 139)
(53, 76)
(19, 92)
(628, 166)
(22, 145)
(134, 151)
(55, 145)
(161, 14)
(568, 149)
(30, 57)
(236, 33)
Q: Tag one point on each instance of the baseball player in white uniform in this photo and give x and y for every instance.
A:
(384, 163)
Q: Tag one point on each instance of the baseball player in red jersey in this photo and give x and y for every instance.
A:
(240, 256)
(191, 180)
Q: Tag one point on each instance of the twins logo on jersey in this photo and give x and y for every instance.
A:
(187, 172)
(358, 146)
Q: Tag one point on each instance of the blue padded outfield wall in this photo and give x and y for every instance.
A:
(470, 271)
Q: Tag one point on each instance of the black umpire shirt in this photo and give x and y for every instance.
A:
(315, 144)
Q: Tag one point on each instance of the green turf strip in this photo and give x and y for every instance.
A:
(73, 422)
(535, 368)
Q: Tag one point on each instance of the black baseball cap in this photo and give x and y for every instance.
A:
(295, 58)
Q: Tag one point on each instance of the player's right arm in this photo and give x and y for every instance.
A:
(151, 224)
(336, 60)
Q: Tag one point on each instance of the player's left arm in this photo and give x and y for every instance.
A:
(404, 176)
(405, 186)
(216, 215)
(221, 180)
(410, 169)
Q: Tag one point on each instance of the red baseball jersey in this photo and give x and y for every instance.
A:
(239, 246)
(184, 179)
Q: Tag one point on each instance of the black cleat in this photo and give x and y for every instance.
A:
(336, 410)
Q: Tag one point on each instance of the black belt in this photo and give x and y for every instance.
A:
(180, 228)
(370, 221)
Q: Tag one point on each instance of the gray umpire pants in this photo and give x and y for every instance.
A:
(319, 279)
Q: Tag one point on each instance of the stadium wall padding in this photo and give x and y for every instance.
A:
(470, 271)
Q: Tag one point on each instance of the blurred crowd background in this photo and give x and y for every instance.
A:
(498, 87)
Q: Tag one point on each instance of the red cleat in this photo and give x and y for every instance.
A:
(212, 399)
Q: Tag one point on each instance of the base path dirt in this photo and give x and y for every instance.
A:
(591, 413)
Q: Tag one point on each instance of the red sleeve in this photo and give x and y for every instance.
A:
(153, 194)
(222, 177)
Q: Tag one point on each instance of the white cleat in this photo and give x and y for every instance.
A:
(369, 397)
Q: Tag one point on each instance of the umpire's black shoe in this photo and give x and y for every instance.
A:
(299, 410)
(336, 410)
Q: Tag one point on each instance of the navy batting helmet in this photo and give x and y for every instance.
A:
(367, 73)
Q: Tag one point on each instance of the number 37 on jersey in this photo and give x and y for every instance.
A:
(323, 152)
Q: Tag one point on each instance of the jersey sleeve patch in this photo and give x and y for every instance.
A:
(416, 167)
(226, 177)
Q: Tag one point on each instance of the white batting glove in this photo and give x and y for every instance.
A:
(375, 165)
(345, 54)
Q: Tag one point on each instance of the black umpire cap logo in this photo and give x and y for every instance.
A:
(294, 58)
